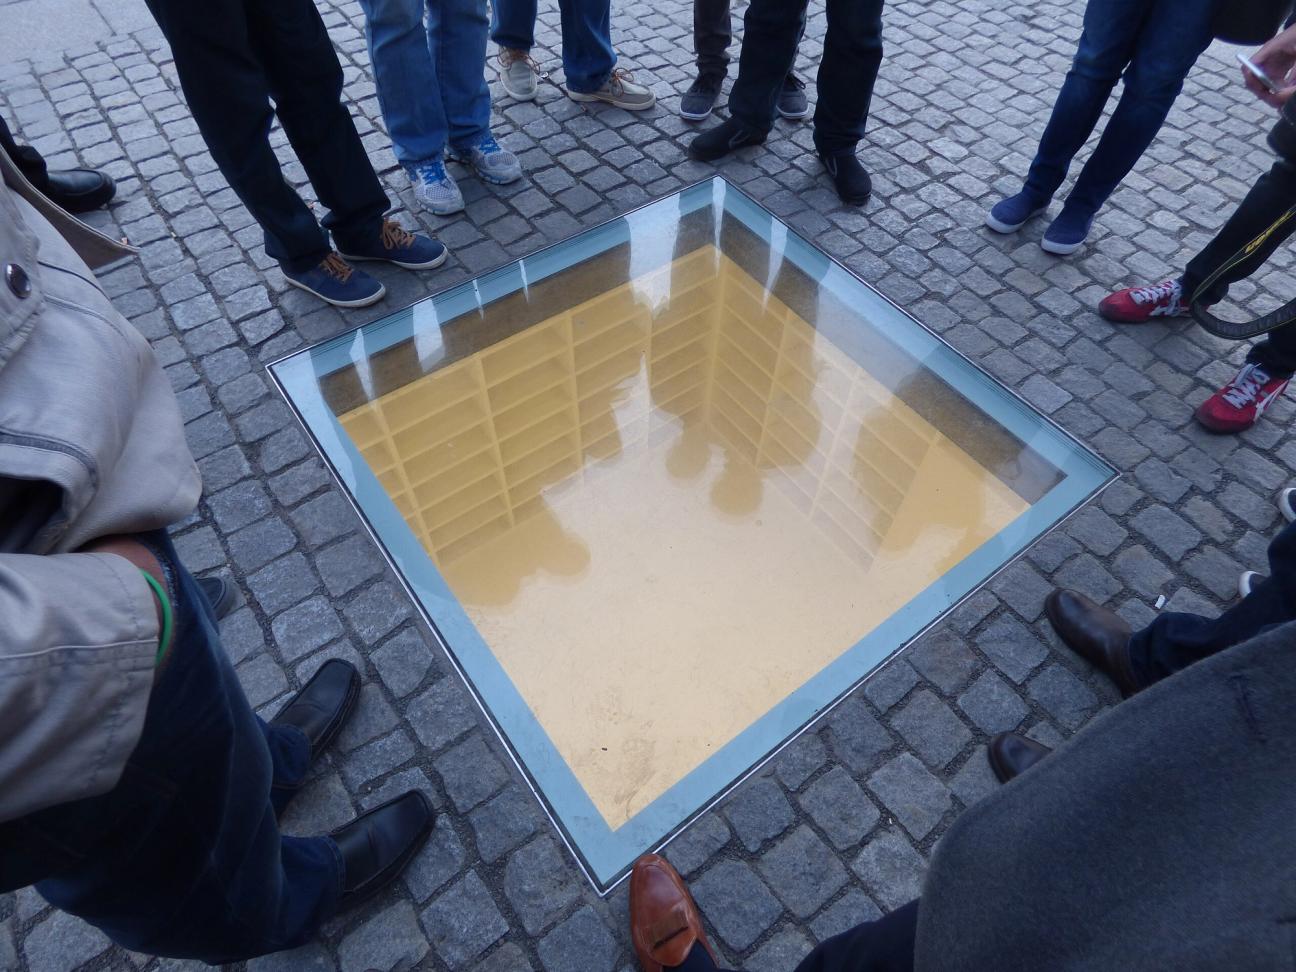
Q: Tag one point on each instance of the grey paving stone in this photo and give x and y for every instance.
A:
(992, 704)
(736, 902)
(443, 713)
(931, 729)
(889, 684)
(582, 943)
(856, 737)
(800, 760)
(974, 779)
(373, 717)
(802, 871)
(440, 859)
(463, 922)
(389, 938)
(322, 805)
(911, 794)
(783, 951)
(506, 820)
(1012, 647)
(346, 565)
(839, 808)
(943, 659)
(262, 679)
(891, 869)
(541, 883)
(758, 811)
(313, 957)
(378, 609)
(61, 943)
(470, 773)
(324, 518)
(507, 958)
(1023, 589)
(377, 758)
(306, 626)
(283, 583)
(403, 661)
(851, 909)
(1085, 573)
(1069, 700)
(1168, 531)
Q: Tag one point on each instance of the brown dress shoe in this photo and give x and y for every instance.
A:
(664, 921)
(1096, 634)
(1012, 755)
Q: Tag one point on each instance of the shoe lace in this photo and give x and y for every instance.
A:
(336, 267)
(1166, 290)
(1242, 390)
(792, 81)
(395, 236)
(618, 79)
(432, 172)
(509, 56)
(487, 145)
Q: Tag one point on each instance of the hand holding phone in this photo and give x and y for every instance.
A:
(1257, 72)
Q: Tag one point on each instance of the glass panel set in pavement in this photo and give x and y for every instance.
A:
(668, 490)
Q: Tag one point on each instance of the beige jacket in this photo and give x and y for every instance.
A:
(91, 443)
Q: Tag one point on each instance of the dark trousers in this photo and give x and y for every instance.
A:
(184, 857)
(1272, 195)
(1174, 640)
(235, 56)
(849, 68)
(29, 161)
(1153, 43)
(885, 945)
(712, 32)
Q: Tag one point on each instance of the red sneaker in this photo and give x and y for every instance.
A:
(1242, 401)
(1137, 305)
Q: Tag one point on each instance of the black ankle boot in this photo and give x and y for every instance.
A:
(852, 181)
(716, 143)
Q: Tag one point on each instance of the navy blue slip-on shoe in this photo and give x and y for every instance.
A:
(1067, 233)
(715, 143)
(336, 282)
(1009, 215)
(395, 244)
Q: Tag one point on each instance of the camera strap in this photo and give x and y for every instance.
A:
(1235, 330)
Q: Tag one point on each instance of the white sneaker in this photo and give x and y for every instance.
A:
(436, 189)
(1247, 581)
(1286, 499)
(519, 73)
(619, 91)
(490, 162)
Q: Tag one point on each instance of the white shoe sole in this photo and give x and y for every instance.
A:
(429, 265)
(363, 302)
(439, 210)
(520, 95)
(795, 116)
(1060, 249)
(1001, 227)
(614, 102)
(1246, 582)
(1285, 506)
(696, 116)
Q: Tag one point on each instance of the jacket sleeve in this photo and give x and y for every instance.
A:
(78, 639)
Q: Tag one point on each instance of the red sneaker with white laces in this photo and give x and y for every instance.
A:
(1242, 401)
(1137, 305)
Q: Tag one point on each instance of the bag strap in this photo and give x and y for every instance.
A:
(1235, 330)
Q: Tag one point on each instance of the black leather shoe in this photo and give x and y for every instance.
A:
(80, 190)
(221, 593)
(1096, 634)
(716, 143)
(323, 705)
(850, 178)
(377, 845)
(1012, 755)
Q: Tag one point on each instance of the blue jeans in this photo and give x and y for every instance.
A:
(588, 58)
(1175, 640)
(184, 857)
(430, 81)
(1154, 43)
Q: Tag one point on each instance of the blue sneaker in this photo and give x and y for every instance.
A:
(1009, 215)
(436, 189)
(336, 282)
(397, 245)
(1067, 233)
(488, 160)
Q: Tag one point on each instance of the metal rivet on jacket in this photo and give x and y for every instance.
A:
(17, 279)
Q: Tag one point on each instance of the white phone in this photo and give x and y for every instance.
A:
(1257, 72)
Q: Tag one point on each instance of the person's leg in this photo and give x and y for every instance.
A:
(1175, 640)
(184, 857)
(771, 29)
(513, 24)
(1111, 29)
(1168, 45)
(456, 39)
(588, 58)
(229, 96)
(305, 80)
(851, 57)
(885, 945)
(30, 162)
(406, 77)
(712, 32)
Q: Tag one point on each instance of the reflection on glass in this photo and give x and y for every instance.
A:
(673, 479)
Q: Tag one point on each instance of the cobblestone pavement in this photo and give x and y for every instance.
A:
(838, 828)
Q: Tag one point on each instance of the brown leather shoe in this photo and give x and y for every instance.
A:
(1096, 634)
(1012, 755)
(664, 921)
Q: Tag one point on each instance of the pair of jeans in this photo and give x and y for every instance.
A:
(885, 945)
(30, 162)
(712, 32)
(431, 85)
(1272, 195)
(1175, 640)
(1154, 43)
(588, 58)
(183, 857)
(851, 57)
(233, 57)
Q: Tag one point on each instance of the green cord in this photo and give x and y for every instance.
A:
(165, 602)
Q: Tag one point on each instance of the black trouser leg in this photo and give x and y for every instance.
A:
(711, 35)
(29, 161)
(771, 31)
(851, 58)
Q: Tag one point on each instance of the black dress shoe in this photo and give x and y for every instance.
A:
(716, 143)
(1096, 634)
(1012, 755)
(221, 593)
(80, 190)
(323, 705)
(377, 845)
(850, 178)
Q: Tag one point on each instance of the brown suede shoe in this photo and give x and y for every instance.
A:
(1012, 755)
(664, 921)
(1096, 634)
